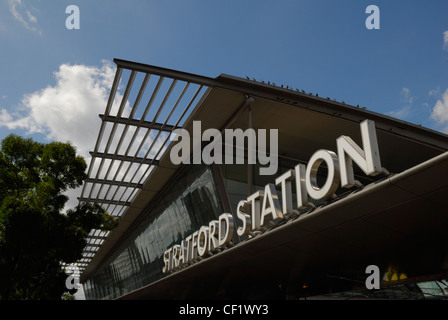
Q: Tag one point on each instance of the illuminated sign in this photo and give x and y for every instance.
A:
(264, 206)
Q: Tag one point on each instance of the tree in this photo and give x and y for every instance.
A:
(35, 236)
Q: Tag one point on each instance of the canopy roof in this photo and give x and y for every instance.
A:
(130, 161)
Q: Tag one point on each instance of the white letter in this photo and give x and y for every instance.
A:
(239, 135)
(254, 199)
(213, 233)
(302, 195)
(183, 147)
(189, 255)
(194, 246)
(271, 204)
(331, 184)
(72, 21)
(285, 182)
(183, 253)
(75, 278)
(214, 147)
(373, 281)
(272, 160)
(368, 160)
(245, 218)
(166, 260)
(197, 138)
(225, 228)
(203, 240)
(176, 252)
(373, 21)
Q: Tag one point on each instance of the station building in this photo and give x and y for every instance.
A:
(349, 188)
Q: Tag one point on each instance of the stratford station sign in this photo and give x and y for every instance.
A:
(264, 206)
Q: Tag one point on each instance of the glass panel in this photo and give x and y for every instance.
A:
(189, 202)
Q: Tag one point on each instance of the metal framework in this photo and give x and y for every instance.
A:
(134, 133)
(146, 103)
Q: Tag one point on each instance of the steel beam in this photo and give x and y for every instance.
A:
(113, 156)
(105, 201)
(168, 73)
(114, 183)
(139, 123)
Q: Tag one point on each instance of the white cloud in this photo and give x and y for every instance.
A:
(445, 40)
(400, 113)
(31, 18)
(18, 10)
(5, 117)
(406, 96)
(407, 99)
(434, 92)
(67, 111)
(440, 110)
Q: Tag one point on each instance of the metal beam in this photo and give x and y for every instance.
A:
(139, 123)
(168, 73)
(105, 201)
(96, 237)
(124, 158)
(115, 183)
(91, 251)
(302, 100)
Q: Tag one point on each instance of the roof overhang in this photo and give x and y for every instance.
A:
(308, 123)
(400, 221)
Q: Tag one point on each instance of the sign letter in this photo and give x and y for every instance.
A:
(329, 188)
(271, 205)
(368, 159)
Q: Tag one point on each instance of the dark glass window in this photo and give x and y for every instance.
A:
(188, 202)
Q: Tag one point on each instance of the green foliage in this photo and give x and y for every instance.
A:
(35, 237)
(68, 296)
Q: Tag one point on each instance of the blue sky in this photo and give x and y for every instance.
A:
(55, 81)
(319, 46)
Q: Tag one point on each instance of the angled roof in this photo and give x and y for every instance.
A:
(130, 160)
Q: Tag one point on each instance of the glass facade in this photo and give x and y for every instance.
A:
(189, 201)
(197, 195)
